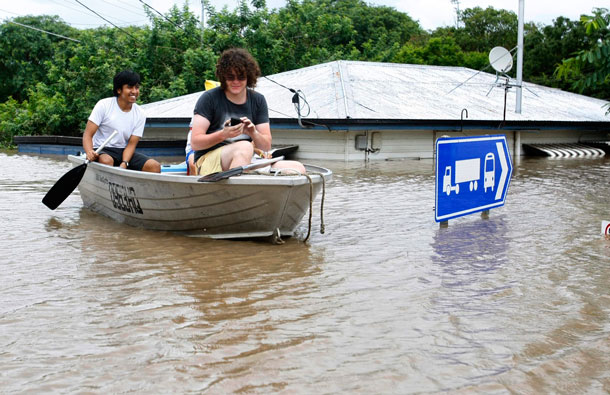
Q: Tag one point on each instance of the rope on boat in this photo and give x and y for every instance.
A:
(322, 227)
(311, 197)
(277, 238)
(310, 206)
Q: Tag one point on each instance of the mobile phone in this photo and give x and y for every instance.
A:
(235, 121)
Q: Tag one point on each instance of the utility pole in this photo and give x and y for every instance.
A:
(202, 19)
(457, 12)
(520, 58)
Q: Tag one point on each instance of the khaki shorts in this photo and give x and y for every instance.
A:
(209, 163)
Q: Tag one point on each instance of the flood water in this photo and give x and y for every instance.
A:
(384, 302)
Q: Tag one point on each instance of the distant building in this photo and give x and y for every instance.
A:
(366, 110)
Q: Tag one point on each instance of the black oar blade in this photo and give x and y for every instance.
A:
(64, 187)
(221, 175)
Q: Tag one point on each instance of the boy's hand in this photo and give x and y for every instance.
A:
(232, 131)
(92, 155)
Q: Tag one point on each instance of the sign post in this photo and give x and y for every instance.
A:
(472, 175)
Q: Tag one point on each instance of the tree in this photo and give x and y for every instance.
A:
(83, 75)
(172, 60)
(443, 52)
(25, 52)
(309, 32)
(589, 69)
(249, 28)
(546, 46)
(486, 28)
(52, 83)
(67, 78)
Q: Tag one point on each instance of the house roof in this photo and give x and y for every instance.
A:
(352, 90)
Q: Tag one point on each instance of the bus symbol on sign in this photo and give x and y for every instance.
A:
(490, 171)
(472, 175)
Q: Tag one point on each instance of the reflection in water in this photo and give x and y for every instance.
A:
(469, 256)
(471, 249)
(383, 302)
(227, 310)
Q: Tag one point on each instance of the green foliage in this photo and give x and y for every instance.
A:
(547, 46)
(199, 65)
(9, 117)
(588, 70)
(44, 110)
(486, 28)
(24, 52)
(443, 51)
(50, 84)
(310, 32)
(173, 61)
(410, 54)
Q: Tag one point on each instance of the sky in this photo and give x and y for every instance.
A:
(429, 13)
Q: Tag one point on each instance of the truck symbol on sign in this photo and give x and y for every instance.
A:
(469, 171)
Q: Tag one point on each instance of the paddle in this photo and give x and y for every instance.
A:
(221, 175)
(69, 181)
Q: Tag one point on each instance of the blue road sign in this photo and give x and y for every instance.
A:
(472, 175)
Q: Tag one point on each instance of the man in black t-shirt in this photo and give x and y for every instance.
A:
(218, 145)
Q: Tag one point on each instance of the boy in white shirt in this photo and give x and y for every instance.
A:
(120, 113)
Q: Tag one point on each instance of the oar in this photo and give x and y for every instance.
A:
(69, 181)
(221, 175)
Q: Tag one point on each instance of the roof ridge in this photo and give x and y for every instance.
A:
(343, 90)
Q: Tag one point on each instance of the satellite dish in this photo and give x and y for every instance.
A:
(500, 59)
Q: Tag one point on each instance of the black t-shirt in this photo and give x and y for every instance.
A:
(216, 108)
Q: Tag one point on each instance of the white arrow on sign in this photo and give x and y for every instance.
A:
(504, 172)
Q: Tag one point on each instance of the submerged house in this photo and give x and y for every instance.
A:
(353, 110)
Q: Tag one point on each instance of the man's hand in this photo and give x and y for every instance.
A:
(232, 131)
(92, 155)
(249, 127)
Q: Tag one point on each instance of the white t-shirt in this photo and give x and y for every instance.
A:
(108, 116)
(188, 148)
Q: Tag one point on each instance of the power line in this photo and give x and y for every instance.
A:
(80, 10)
(133, 8)
(118, 27)
(68, 6)
(166, 18)
(149, 6)
(9, 12)
(94, 12)
(44, 31)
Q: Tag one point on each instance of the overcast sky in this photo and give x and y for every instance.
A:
(430, 13)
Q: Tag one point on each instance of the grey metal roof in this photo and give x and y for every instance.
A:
(177, 107)
(388, 91)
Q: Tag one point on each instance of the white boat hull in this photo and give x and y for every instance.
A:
(250, 205)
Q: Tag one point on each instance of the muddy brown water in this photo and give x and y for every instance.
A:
(385, 301)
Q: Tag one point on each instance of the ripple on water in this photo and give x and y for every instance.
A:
(384, 302)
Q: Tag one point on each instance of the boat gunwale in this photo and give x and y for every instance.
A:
(314, 172)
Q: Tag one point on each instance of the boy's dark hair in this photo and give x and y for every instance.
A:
(128, 77)
(240, 61)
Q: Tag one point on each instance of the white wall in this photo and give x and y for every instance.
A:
(389, 144)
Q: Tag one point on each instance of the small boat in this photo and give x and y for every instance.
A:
(252, 205)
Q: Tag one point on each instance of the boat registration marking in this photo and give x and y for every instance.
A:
(124, 198)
